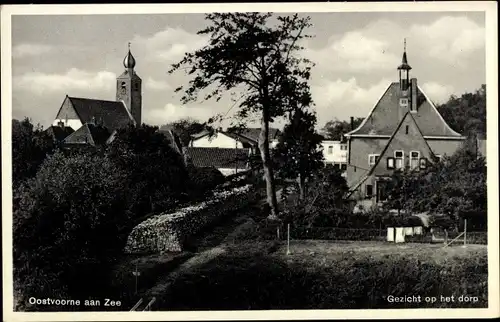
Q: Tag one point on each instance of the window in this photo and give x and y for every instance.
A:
(343, 166)
(369, 190)
(438, 158)
(423, 163)
(136, 86)
(403, 102)
(343, 147)
(330, 149)
(372, 159)
(399, 157)
(123, 85)
(390, 163)
(407, 128)
(414, 159)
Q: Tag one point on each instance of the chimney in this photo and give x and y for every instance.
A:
(352, 123)
(414, 94)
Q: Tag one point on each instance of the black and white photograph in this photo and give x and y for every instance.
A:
(204, 161)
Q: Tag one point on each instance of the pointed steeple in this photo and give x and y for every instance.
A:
(404, 63)
(129, 61)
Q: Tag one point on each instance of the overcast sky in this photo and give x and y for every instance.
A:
(356, 56)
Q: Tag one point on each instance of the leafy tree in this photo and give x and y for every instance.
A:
(325, 205)
(157, 177)
(467, 114)
(334, 130)
(456, 187)
(185, 128)
(30, 146)
(298, 152)
(65, 224)
(246, 53)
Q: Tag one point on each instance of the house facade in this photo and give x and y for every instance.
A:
(335, 153)
(404, 130)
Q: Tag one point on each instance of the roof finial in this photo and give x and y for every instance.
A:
(404, 45)
(129, 45)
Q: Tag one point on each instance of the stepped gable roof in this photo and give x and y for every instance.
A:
(383, 118)
(59, 133)
(113, 115)
(88, 134)
(218, 157)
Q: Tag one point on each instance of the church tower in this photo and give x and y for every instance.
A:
(129, 88)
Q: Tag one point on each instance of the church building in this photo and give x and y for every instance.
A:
(404, 130)
(95, 121)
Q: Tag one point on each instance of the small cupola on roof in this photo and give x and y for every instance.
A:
(129, 60)
(404, 71)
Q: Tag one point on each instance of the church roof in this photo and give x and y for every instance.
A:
(90, 134)
(218, 157)
(384, 117)
(59, 133)
(113, 115)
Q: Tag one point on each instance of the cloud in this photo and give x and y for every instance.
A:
(73, 80)
(438, 93)
(172, 112)
(450, 39)
(342, 99)
(157, 85)
(27, 50)
(169, 45)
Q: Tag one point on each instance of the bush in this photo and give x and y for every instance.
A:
(202, 180)
(167, 232)
(66, 220)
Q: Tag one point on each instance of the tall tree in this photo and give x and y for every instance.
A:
(335, 129)
(467, 114)
(30, 146)
(298, 152)
(247, 55)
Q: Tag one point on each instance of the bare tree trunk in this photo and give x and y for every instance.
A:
(268, 170)
(302, 192)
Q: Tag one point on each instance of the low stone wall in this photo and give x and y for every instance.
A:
(166, 232)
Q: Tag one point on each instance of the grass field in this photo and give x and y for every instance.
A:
(329, 275)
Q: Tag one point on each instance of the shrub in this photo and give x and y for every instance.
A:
(167, 232)
(202, 180)
(65, 224)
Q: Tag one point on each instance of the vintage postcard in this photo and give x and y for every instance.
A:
(250, 161)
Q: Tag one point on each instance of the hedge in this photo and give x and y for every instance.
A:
(167, 232)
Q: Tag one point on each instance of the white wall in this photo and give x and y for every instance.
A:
(75, 124)
(229, 171)
(335, 154)
(219, 141)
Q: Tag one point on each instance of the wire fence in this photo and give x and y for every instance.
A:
(355, 234)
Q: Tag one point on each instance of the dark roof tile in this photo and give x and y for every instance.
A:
(218, 157)
(113, 115)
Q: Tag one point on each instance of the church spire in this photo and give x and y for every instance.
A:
(129, 61)
(404, 62)
(404, 71)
